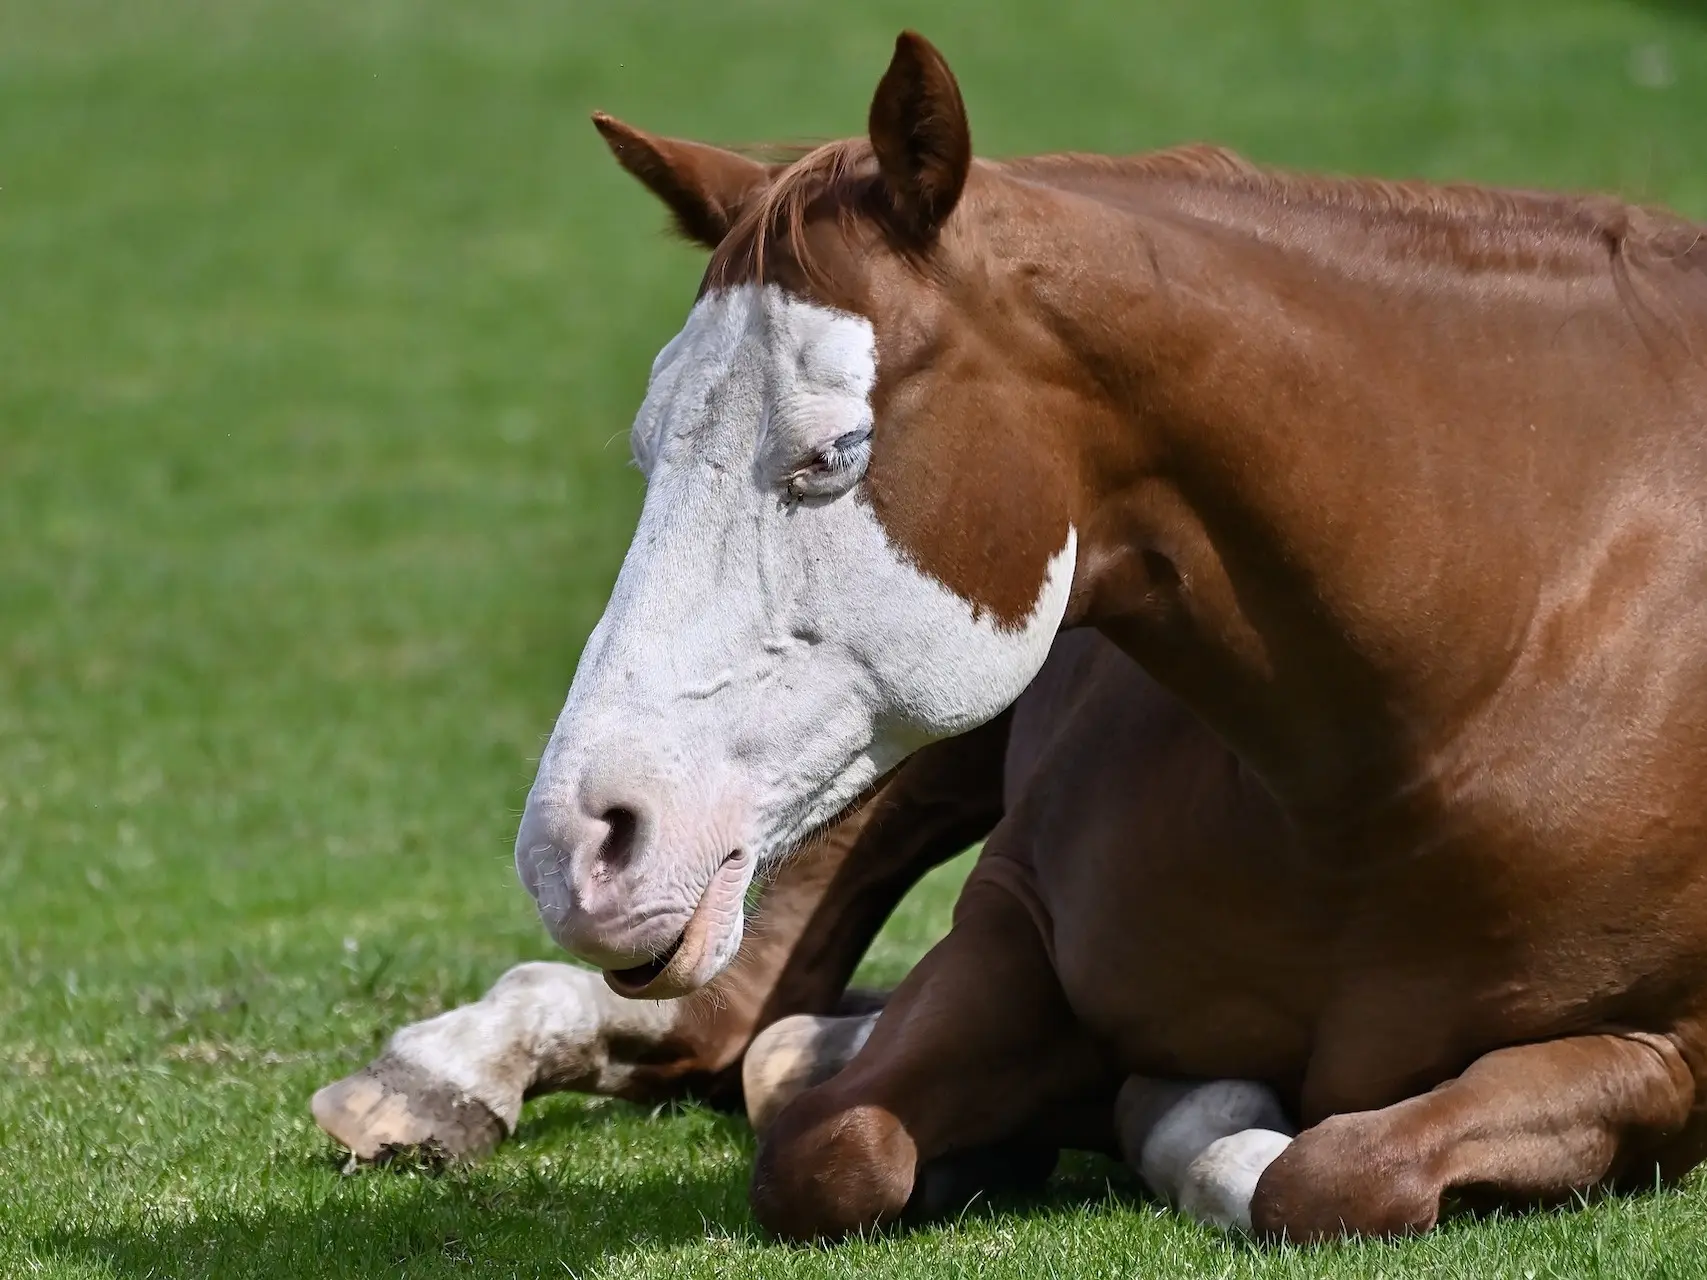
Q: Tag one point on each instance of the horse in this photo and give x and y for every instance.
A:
(1392, 486)
(1141, 963)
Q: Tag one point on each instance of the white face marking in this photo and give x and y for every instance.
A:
(767, 652)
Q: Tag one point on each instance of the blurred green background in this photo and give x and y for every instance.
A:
(321, 326)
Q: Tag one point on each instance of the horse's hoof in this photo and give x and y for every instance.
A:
(392, 1107)
(792, 1055)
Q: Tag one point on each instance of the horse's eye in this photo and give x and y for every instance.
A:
(834, 468)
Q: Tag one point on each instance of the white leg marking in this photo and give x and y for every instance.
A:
(1203, 1147)
(1219, 1184)
(539, 1021)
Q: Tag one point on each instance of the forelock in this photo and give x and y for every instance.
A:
(836, 180)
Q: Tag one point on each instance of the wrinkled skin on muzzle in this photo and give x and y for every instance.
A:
(767, 652)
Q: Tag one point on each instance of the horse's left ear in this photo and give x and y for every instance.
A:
(919, 132)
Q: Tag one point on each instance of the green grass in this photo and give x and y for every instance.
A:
(320, 325)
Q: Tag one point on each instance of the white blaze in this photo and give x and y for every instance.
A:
(764, 657)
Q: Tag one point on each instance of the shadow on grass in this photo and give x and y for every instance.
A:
(538, 1213)
(342, 1239)
(420, 1226)
(529, 1212)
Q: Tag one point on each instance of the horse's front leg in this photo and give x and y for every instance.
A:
(1538, 1122)
(455, 1084)
(975, 1070)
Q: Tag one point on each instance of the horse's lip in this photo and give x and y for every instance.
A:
(638, 977)
(674, 972)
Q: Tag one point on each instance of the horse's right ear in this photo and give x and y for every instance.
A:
(920, 136)
(703, 187)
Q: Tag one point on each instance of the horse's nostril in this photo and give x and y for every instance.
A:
(618, 847)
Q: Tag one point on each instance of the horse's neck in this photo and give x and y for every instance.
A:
(1355, 454)
(1344, 578)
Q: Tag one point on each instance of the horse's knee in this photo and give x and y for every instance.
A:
(821, 1175)
(1344, 1177)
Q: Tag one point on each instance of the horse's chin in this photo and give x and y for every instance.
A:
(705, 946)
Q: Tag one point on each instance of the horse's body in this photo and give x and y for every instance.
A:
(1188, 938)
(1396, 488)
(1143, 913)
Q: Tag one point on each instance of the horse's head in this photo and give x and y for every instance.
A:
(851, 542)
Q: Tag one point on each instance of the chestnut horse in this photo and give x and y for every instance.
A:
(1395, 487)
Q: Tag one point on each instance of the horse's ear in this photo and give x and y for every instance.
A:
(703, 187)
(919, 132)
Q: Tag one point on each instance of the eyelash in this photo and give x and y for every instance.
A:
(843, 450)
(840, 454)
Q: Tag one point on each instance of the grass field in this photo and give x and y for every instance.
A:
(321, 322)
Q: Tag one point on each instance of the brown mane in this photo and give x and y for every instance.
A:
(1465, 225)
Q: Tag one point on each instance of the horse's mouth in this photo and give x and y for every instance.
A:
(687, 963)
(632, 981)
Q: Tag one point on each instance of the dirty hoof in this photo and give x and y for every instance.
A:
(391, 1107)
(792, 1055)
